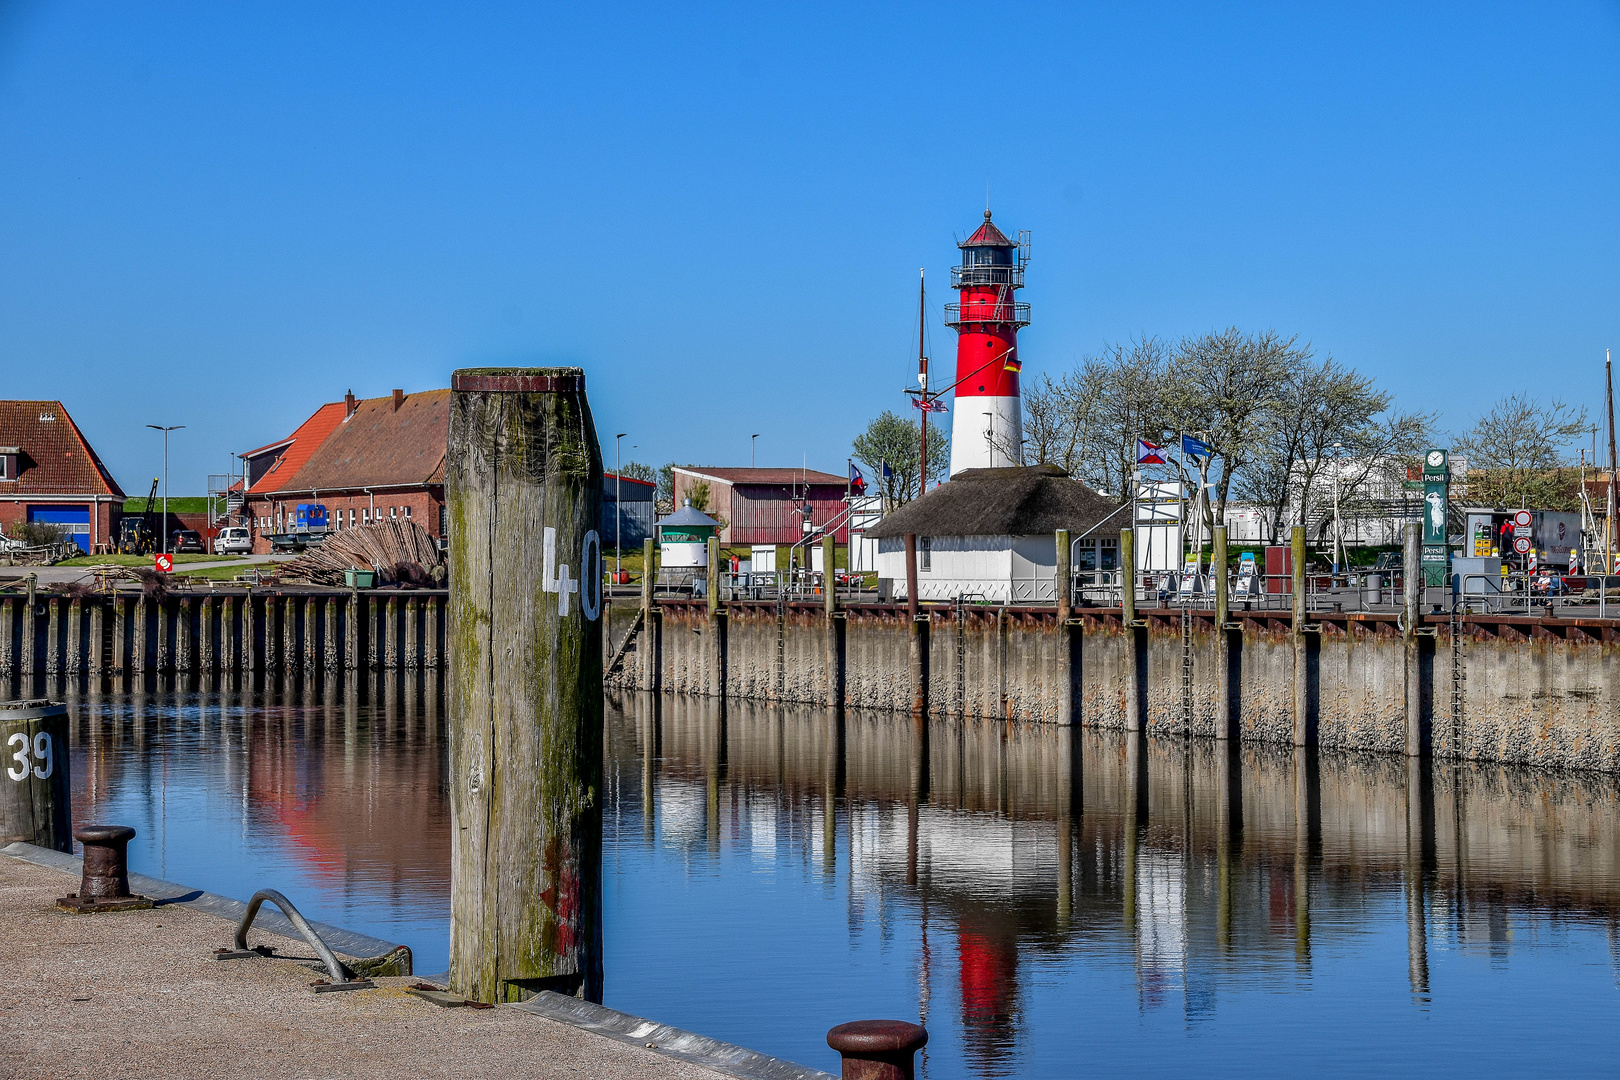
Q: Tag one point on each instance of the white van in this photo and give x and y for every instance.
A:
(235, 540)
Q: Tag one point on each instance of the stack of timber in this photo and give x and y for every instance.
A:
(400, 551)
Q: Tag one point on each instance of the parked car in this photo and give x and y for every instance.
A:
(184, 540)
(233, 540)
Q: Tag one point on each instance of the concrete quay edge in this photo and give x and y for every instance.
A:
(673, 1042)
(662, 1039)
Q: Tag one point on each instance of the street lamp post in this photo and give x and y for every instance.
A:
(165, 430)
(618, 507)
(751, 439)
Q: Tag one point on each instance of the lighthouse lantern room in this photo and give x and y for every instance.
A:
(988, 429)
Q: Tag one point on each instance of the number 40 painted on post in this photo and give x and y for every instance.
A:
(557, 579)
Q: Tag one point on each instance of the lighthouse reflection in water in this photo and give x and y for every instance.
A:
(1047, 901)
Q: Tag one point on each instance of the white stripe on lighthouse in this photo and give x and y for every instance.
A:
(986, 433)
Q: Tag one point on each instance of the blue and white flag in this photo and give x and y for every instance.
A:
(1193, 448)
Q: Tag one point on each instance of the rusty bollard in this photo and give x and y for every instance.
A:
(878, 1049)
(105, 885)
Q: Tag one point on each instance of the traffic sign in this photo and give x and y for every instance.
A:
(1521, 530)
(165, 562)
(1522, 519)
(1521, 545)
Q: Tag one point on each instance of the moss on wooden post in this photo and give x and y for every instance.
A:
(1061, 583)
(1302, 704)
(523, 486)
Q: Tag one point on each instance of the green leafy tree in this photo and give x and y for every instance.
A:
(637, 471)
(897, 442)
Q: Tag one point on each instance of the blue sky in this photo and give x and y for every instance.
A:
(223, 215)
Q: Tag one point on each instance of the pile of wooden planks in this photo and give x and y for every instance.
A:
(401, 551)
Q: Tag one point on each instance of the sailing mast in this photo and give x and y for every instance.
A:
(1608, 521)
(922, 376)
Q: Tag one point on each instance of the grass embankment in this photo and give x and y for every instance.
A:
(132, 560)
(178, 504)
(224, 573)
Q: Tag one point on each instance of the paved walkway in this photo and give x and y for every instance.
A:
(138, 994)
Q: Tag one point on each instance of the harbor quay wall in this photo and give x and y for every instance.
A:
(1522, 690)
(273, 631)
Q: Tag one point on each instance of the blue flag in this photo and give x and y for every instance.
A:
(1192, 448)
(888, 473)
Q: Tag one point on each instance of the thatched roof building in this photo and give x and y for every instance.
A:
(1027, 501)
(989, 534)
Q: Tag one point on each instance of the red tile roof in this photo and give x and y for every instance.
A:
(764, 476)
(305, 441)
(378, 446)
(56, 458)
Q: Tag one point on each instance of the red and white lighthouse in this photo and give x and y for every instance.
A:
(988, 429)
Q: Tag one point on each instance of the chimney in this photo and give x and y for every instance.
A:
(348, 404)
(399, 399)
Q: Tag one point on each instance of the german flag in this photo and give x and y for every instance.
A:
(1012, 363)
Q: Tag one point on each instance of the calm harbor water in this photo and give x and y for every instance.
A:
(1045, 901)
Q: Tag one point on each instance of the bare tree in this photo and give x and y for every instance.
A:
(1326, 417)
(1224, 388)
(1521, 437)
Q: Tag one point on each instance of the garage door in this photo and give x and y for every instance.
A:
(76, 518)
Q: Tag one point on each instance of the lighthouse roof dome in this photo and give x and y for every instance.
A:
(987, 236)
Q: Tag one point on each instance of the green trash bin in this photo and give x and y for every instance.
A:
(359, 579)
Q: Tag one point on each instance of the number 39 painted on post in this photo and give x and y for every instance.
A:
(557, 579)
(44, 762)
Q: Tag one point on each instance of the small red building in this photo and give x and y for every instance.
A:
(50, 473)
(766, 506)
(363, 459)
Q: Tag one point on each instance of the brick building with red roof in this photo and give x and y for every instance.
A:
(363, 459)
(50, 473)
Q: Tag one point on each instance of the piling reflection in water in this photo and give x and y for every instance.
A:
(1038, 896)
(329, 790)
(1020, 855)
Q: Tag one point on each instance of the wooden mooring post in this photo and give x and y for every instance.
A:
(1417, 743)
(652, 620)
(523, 486)
(1304, 729)
(35, 802)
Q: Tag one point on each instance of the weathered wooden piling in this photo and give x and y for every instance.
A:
(53, 635)
(1225, 713)
(835, 622)
(251, 658)
(30, 642)
(205, 636)
(919, 633)
(652, 620)
(717, 624)
(1061, 582)
(1412, 577)
(1303, 735)
(75, 635)
(311, 639)
(1135, 634)
(523, 485)
(8, 655)
(35, 793)
(98, 631)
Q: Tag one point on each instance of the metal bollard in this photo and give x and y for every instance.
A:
(105, 885)
(878, 1049)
